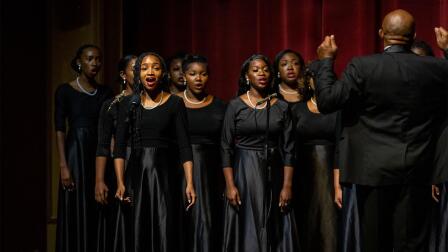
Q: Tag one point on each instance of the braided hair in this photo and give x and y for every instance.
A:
(278, 80)
(243, 86)
(122, 65)
(74, 61)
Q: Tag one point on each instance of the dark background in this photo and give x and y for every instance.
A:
(226, 31)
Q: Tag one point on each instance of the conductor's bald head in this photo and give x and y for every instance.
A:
(398, 28)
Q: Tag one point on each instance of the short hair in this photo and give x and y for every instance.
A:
(190, 59)
(178, 55)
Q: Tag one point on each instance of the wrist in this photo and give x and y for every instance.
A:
(287, 186)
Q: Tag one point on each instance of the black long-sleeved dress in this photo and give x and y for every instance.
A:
(77, 210)
(258, 224)
(113, 220)
(316, 216)
(204, 225)
(155, 134)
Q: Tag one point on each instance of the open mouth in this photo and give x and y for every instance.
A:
(150, 80)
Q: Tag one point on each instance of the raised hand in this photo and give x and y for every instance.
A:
(442, 37)
(328, 48)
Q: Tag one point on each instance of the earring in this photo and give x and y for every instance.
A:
(247, 81)
(79, 67)
(124, 82)
(185, 82)
(278, 74)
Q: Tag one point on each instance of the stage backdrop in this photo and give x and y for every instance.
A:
(229, 31)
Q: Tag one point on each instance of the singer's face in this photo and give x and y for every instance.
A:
(196, 76)
(289, 68)
(151, 72)
(258, 74)
(91, 61)
(176, 75)
(129, 71)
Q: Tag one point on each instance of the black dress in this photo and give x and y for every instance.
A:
(258, 224)
(204, 226)
(77, 210)
(113, 223)
(315, 154)
(150, 169)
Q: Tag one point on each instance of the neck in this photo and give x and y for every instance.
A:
(289, 87)
(174, 89)
(89, 82)
(153, 94)
(128, 90)
(258, 94)
(195, 97)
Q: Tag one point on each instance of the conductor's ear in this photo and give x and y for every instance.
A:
(381, 33)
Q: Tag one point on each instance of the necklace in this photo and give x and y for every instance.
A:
(313, 101)
(158, 104)
(192, 102)
(251, 104)
(83, 90)
(285, 91)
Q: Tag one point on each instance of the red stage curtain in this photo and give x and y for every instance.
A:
(229, 31)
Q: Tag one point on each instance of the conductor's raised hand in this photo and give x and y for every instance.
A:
(328, 48)
(442, 37)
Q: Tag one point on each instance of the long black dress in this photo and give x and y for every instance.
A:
(258, 224)
(113, 219)
(77, 210)
(150, 169)
(204, 228)
(315, 151)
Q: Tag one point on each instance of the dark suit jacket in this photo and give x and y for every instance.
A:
(393, 105)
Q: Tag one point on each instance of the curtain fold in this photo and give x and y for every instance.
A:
(229, 31)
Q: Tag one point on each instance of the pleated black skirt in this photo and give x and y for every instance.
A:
(107, 213)
(152, 211)
(314, 206)
(77, 210)
(204, 220)
(258, 224)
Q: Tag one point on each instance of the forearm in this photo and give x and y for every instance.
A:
(188, 172)
(119, 170)
(287, 176)
(336, 183)
(100, 167)
(60, 140)
(228, 175)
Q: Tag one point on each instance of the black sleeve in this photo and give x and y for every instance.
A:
(122, 132)
(227, 137)
(183, 139)
(287, 139)
(445, 53)
(105, 129)
(333, 94)
(60, 109)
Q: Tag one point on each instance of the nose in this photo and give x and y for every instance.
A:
(198, 78)
(290, 66)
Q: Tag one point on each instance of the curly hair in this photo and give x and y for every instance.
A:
(243, 86)
(74, 63)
